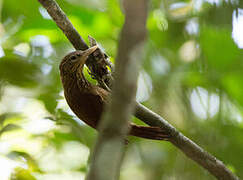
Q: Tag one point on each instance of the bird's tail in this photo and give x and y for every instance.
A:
(147, 132)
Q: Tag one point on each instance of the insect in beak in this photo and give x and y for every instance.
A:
(85, 54)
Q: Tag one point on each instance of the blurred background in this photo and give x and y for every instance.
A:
(192, 75)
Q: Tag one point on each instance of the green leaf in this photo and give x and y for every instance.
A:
(9, 127)
(7, 115)
(22, 174)
(218, 48)
(32, 163)
(50, 101)
(18, 72)
(234, 85)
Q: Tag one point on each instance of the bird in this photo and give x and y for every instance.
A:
(88, 101)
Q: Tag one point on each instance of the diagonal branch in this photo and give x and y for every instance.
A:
(64, 24)
(97, 69)
(187, 146)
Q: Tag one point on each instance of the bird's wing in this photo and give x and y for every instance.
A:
(101, 93)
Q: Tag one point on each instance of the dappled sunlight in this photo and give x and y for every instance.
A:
(1, 52)
(46, 69)
(44, 13)
(32, 110)
(233, 112)
(14, 99)
(39, 126)
(160, 65)
(4, 147)
(20, 140)
(62, 103)
(238, 27)
(16, 141)
(41, 46)
(72, 155)
(204, 104)
(191, 75)
(180, 10)
(189, 51)
(37, 123)
(144, 88)
(220, 2)
(60, 176)
(7, 166)
(192, 26)
(133, 171)
(22, 49)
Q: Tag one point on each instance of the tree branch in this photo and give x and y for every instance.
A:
(97, 69)
(109, 148)
(187, 146)
(64, 24)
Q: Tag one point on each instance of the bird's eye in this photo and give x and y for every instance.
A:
(78, 55)
(72, 57)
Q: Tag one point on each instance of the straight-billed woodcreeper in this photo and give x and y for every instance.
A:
(87, 101)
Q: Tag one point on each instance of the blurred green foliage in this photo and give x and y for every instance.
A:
(191, 75)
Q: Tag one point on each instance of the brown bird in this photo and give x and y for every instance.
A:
(87, 101)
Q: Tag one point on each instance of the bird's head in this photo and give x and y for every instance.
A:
(74, 61)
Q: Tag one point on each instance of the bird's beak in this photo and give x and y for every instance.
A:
(83, 57)
(86, 54)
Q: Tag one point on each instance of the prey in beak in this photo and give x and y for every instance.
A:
(81, 57)
(78, 58)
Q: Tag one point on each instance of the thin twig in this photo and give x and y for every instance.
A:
(187, 146)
